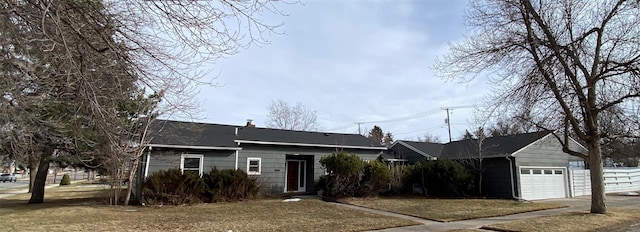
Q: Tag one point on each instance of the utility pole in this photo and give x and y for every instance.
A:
(448, 122)
(359, 123)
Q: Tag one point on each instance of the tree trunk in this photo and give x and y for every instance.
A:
(597, 179)
(132, 173)
(32, 172)
(37, 194)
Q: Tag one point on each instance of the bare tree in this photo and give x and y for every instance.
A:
(281, 115)
(565, 62)
(510, 126)
(429, 138)
(68, 66)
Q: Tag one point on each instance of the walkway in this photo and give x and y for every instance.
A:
(574, 204)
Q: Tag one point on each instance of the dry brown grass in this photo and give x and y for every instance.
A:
(447, 210)
(574, 221)
(82, 209)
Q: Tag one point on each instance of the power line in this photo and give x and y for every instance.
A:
(404, 118)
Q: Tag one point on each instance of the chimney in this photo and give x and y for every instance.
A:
(249, 123)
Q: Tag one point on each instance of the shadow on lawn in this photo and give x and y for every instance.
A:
(56, 198)
(20, 204)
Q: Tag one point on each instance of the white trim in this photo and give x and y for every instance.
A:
(513, 154)
(542, 167)
(415, 149)
(545, 137)
(194, 147)
(199, 156)
(308, 145)
(392, 160)
(303, 171)
(249, 159)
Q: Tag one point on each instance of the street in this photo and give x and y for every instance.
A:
(23, 182)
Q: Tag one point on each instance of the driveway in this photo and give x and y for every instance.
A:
(574, 204)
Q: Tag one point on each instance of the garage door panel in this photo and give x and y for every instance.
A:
(542, 183)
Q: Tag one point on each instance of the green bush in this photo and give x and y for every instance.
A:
(229, 185)
(442, 178)
(173, 187)
(348, 175)
(376, 178)
(65, 180)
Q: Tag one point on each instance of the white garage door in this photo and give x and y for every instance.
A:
(543, 183)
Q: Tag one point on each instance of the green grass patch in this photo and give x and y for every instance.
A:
(447, 210)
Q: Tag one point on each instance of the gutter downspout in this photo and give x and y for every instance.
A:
(237, 157)
(513, 191)
(146, 163)
(237, 150)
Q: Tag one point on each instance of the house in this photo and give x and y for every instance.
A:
(526, 166)
(284, 161)
(411, 152)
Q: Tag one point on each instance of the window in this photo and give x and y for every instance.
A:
(548, 172)
(537, 171)
(525, 171)
(191, 163)
(558, 172)
(254, 166)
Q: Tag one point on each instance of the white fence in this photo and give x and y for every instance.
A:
(615, 180)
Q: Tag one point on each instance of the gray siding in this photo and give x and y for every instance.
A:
(273, 171)
(272, 176)
(168, 159)
(546, 152)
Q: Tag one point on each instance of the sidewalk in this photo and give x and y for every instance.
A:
(573, 204)
(25, 189)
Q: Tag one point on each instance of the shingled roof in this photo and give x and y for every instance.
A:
(499, 146)
(425, 148)
(176, 134)
(216, 136)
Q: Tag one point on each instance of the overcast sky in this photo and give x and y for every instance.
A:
(351, 61)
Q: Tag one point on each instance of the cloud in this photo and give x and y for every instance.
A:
(351, 61)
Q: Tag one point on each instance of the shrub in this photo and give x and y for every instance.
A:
(443, 178)
(376, 178)
(400, 179)
(229, 185)
(348, 175)
(173, 187)
(344, 174)
(65, 180)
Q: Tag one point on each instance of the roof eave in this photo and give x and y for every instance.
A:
(309, 145)
(194, 147)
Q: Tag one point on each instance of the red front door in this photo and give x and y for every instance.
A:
(296, 176)
(293, 168)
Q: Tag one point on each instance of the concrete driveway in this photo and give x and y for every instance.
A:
(575, 204)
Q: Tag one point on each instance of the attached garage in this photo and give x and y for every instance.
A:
(530, 166)
(543, 182)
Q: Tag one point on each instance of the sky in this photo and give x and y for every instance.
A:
(357, 64)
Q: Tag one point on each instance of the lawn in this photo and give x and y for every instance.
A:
(447, 210)
(79, 208)
(615, 218)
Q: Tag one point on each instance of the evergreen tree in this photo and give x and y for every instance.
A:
(376, 135)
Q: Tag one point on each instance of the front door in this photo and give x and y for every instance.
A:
(296, 176)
